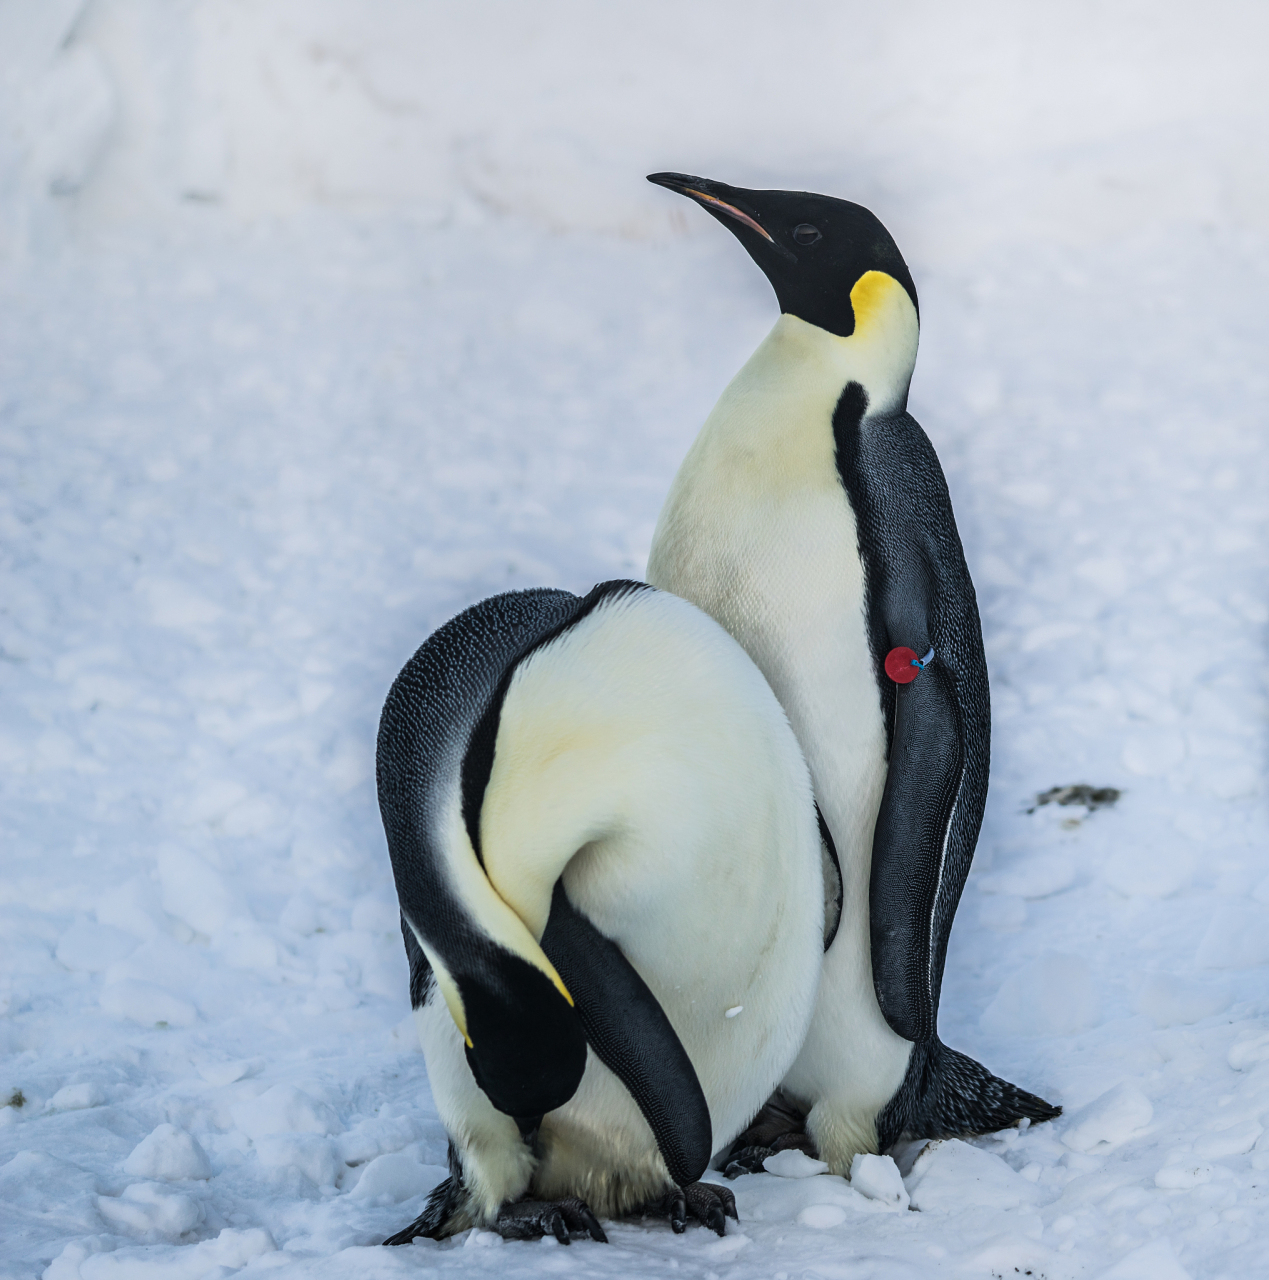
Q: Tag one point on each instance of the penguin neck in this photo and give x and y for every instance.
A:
(879, 355)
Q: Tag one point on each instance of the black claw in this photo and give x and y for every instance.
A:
(676, 1207)
(703, 1201)
(747, 1160)
(558, 1229)
(728, 1201)
(578, 1217)
(709, 1203)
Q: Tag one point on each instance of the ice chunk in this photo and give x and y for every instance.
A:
(1236, 1140)
(283, 1109)
(793, 1164)
(878, 1178)
(392, 1178)
(194, 892)
(1052, 996)
(378, 1136)
(315, 1157)
(147, 1003)
(1237, 938)
(148, 1208)
(952, 1175)
(236, 1248)
(169, 1154)
(1153, 1261)
(77, 1097)
(229, 1251)
(1108, 1121)
(822, 1216)
(1173, 1001)
(92, 948)
(66, 1266)
(220, 1074)
(134, 907)
(1246, 1053)
(1036, 876)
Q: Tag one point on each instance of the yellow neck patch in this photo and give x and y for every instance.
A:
(873, 297)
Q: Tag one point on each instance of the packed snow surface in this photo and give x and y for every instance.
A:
(249, 465)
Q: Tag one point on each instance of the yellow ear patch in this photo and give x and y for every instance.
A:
(872, 297)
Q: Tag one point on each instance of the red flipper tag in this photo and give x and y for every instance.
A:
(902, 666)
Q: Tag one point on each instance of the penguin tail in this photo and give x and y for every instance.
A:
(444, 1214)
(946, 1094)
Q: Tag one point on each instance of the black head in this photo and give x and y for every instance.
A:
(528, 1049)
(812, 248)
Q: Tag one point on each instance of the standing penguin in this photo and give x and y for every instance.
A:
(812, 519)
(609, 867)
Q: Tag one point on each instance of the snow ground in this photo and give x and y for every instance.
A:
(247, 470)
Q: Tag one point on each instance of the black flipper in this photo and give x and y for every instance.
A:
(919, 595)
(630, 1034)
(910, 853)
(948, 1095)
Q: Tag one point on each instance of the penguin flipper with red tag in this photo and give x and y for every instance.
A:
(920, 600)
(918, 596)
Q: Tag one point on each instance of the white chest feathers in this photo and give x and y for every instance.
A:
(758, 530)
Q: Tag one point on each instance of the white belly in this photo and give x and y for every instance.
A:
(758, 532)
(706, 939)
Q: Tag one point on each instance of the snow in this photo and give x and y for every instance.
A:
(168, 1153)
(794, 1164)
(878, 1178)
(1109, 1120)
(323, 320)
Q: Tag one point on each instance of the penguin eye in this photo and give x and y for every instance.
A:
(804, 233)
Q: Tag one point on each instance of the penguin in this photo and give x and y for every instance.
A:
(609, 869)
(811, 518)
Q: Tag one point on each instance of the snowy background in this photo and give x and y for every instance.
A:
(321, 319)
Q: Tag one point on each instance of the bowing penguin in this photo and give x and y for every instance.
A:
(811, 518)
(609, 869)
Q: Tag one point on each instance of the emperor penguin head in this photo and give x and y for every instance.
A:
(831, 263)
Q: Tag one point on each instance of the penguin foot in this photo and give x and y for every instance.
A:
(533, 1219)
(745, 1160)
(779, 1126)
(707, 1203)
